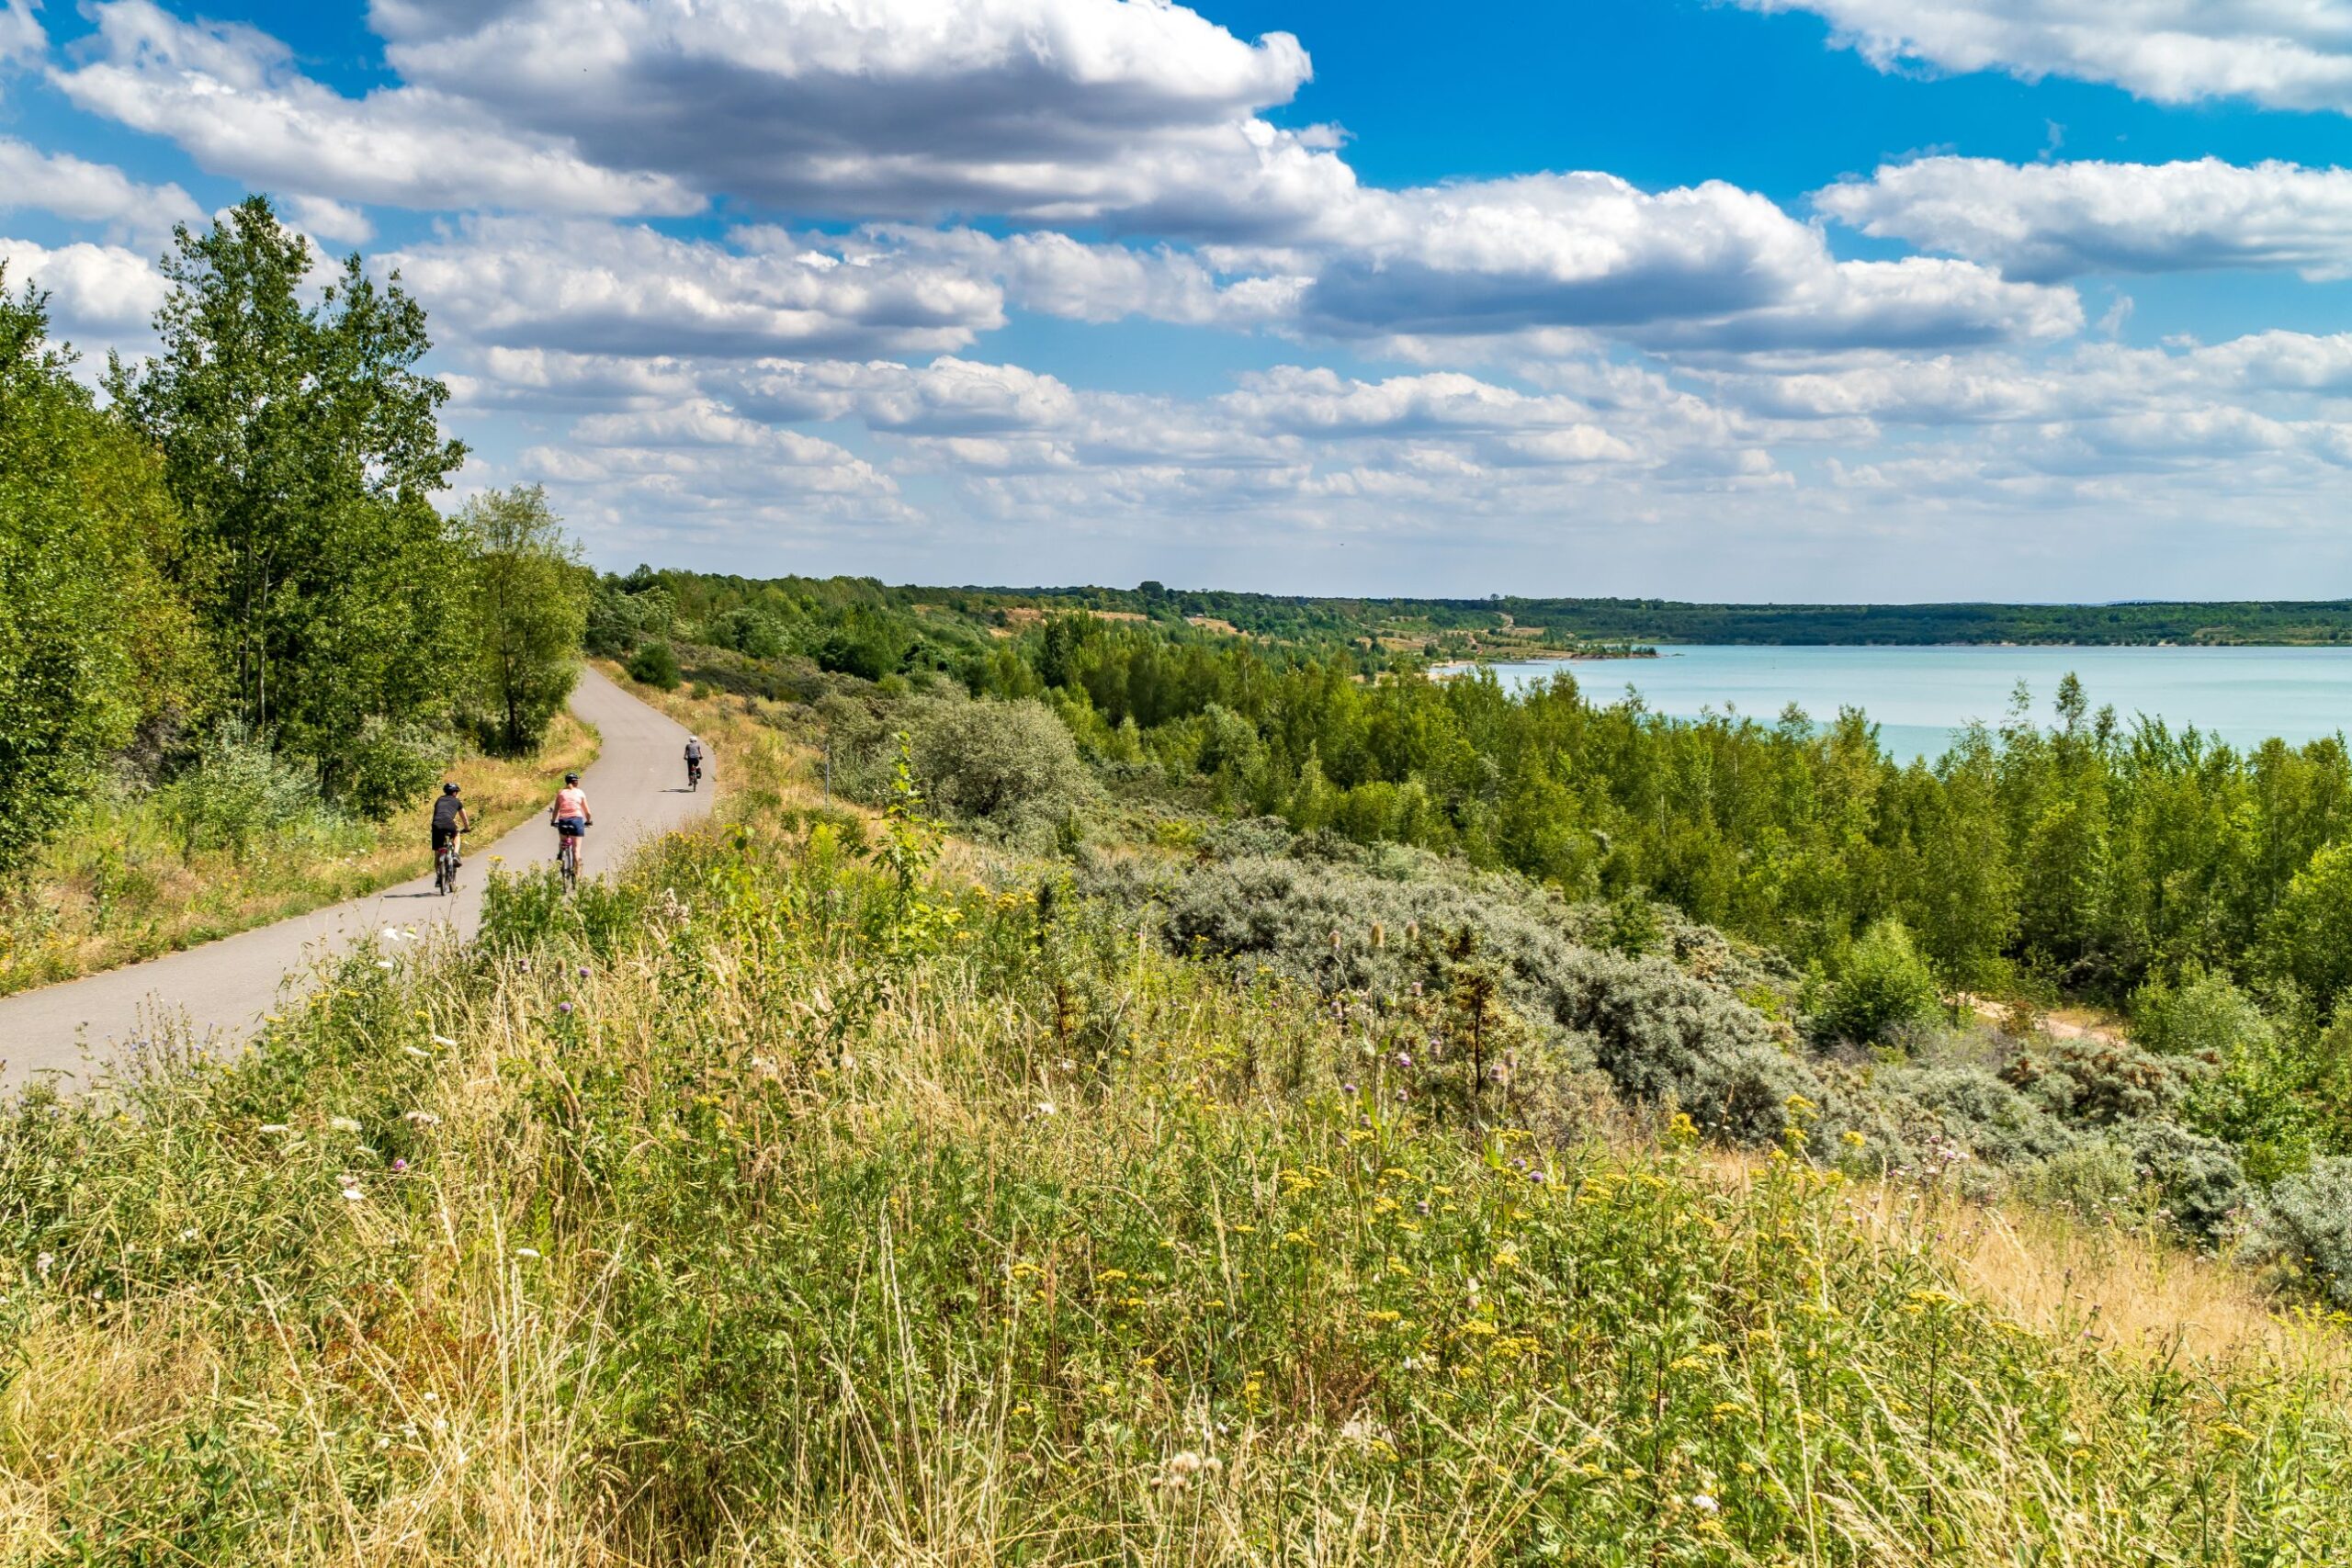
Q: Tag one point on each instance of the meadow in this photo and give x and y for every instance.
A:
(825, 1191)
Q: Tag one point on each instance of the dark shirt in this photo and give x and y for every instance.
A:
(445, 814)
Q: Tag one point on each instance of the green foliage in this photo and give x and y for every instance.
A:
(2305, 1227)
(1010, 766)
(1883, 987)
(529, 600)
(2307, 939)
(656, 665)
(96, 646)
(239, 791)
(303, 445)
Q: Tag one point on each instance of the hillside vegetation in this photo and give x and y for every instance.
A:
(786, 1202)
(237, 637)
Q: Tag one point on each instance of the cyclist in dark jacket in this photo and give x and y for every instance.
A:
(449, 818)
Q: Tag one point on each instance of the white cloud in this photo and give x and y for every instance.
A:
(21, 38)
(73, 188)
(625, 289)
(2045, 221)
(233, 97)
(2282, 53)
(102, 292)
(1049, 109)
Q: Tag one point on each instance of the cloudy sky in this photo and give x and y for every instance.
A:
(1742, 299)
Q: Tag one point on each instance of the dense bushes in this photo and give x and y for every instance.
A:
(1882, 985)
(656, 665)
(1004, 768)
(2306, 1226)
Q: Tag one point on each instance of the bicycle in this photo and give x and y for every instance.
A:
(445, 869)
(567, 860)
(694, 776)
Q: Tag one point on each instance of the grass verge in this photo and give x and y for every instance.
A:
(121, 884)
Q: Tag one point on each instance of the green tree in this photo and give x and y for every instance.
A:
(530, 598)
(304, 446)
(93, 642)
(2308, 939)
(1883, 984)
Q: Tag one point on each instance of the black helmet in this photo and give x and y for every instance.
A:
(572, 778)
(449, 786)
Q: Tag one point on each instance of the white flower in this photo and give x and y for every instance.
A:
(343, 1123)
(43, 1264)
(443, 1040)
(273, 1127)
(1703, 1503)
(353, 1194)
(1046, 1108)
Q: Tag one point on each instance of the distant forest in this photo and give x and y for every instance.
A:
(1570, 621)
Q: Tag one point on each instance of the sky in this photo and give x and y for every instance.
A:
(1750, 299)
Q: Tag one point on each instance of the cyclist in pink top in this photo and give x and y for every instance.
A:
(570, 817)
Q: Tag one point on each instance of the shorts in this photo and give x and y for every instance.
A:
(572, 827)
(443, 838)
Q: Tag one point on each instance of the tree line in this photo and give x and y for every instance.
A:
(2086, 853)
(241, 531)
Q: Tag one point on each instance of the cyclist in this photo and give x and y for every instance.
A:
(694, 762)
(450, 819)
(571, 817)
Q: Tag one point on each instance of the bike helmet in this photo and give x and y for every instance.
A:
(572, 778)
(450, 787)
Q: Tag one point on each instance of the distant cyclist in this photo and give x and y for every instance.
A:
(449, 821)
(571, 817)
(694, 762)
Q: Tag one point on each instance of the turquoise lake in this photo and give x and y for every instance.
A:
(1919, 697)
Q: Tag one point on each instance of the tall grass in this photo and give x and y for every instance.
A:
(759, 1210)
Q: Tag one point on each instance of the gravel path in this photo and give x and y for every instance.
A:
(636, 787)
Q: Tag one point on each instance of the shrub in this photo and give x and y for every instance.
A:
(2100, 1081)
(2202, 1181)
(2305, 1225)
(2204, 1016)
(1010, 765)
(656, 665)
(1884, 986)
(2097, 1180)
(239, 791)
(1989, 1117)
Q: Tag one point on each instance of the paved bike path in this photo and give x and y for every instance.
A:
(636, 788)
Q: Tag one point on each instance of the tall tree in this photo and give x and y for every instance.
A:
(94, 643)
(304, 444)
(529, 600)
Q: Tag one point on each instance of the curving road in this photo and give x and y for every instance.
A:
(636, 787)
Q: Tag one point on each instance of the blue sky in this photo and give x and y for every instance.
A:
(1760, 298)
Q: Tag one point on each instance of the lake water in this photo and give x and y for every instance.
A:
(1919, 696)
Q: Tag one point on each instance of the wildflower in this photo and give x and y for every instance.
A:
(1703, 1503)
(43, 1264)
(399, 1166)
(1047, 1107)
(1403, 1058)
(1347, 1089)
(343, 1123)
(353, 1194)
(563, 1007)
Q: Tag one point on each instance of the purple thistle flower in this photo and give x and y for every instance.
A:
(1347, 1089)
(583, 971)
(563, 1007)
(399, 1164)
(1537, 1177)
(1403, 1058)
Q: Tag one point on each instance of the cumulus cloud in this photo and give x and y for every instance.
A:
(2282, 53)
(102, 292)
(1050, 109)
(233, 98)
(2045, 221)
(627, 290)
(77, 189)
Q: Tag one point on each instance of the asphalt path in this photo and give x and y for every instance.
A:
(219, 993)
